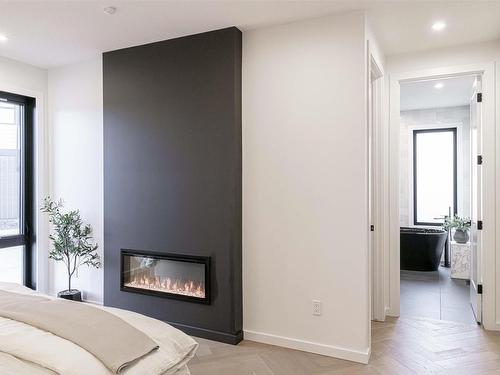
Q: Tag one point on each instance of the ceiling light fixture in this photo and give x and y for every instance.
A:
(3, 38)
(110, 10)
(438, 85)
(438, 26)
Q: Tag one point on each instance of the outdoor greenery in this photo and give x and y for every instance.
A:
(71, 239)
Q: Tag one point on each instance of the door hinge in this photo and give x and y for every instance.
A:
(479, 225)
(479, 288)
(480, 160)
(479, 97)
(372, 228)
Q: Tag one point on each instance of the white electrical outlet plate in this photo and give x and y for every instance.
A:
(316, 307)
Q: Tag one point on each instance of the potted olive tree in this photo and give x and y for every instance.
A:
(72, 243)
(461, 226)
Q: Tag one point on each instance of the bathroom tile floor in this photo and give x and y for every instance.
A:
(435, 295)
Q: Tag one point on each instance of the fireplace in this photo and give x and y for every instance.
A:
(182, 277)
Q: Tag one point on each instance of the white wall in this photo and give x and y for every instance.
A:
(23, 76)
(69, 124)
(24, 79)
(76, 160)
(304, 179)
(485, 52)
(305, 185)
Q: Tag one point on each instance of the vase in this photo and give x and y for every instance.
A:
(461, 236)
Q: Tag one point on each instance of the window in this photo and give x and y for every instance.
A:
(434, 175)
(16, 188)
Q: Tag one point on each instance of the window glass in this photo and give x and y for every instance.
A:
(11, 264)
(10, 169)
(434, 175)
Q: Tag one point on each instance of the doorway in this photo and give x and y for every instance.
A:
(478, 298)
(435, 194)
(375, 237)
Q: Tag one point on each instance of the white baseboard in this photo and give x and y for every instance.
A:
(390, 312)
(307, 346)
(100, 303)
(54, 294)
(493, 327)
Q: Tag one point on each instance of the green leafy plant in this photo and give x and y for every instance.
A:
(458, 223)
(71, 239)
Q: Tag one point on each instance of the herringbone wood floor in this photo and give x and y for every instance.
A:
(399, 346)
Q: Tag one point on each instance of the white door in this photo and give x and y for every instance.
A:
(370, 194)
(375, 252)
(476, 200)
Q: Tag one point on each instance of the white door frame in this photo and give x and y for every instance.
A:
(375, 99)
(491, 140)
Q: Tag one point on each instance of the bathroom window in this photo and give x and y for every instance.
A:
(434, 175)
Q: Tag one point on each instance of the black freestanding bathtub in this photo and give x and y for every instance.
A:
(421, 248)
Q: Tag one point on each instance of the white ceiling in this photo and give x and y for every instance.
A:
(53, 33)
(422, 95)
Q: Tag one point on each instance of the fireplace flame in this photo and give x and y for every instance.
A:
(166, 284)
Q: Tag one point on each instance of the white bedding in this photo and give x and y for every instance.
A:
(28, 350)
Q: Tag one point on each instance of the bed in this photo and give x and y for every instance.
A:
(25, 348)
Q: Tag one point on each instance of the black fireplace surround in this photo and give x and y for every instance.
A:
(181, 277)
(172, 182)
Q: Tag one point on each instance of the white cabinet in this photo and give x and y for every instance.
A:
(460, 260)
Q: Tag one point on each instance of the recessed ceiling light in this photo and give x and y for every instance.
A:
(438, 85)
(3, 38)
(109, 10)
(438, 26)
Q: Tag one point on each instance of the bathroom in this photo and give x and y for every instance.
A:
(438, 195)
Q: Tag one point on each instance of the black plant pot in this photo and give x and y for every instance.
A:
(72, 295)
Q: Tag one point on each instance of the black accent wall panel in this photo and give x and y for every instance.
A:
(172, 171)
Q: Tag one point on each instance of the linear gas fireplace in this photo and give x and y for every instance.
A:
(182, 277)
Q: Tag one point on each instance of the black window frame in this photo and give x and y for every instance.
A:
(434, 130)
(27, 236)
